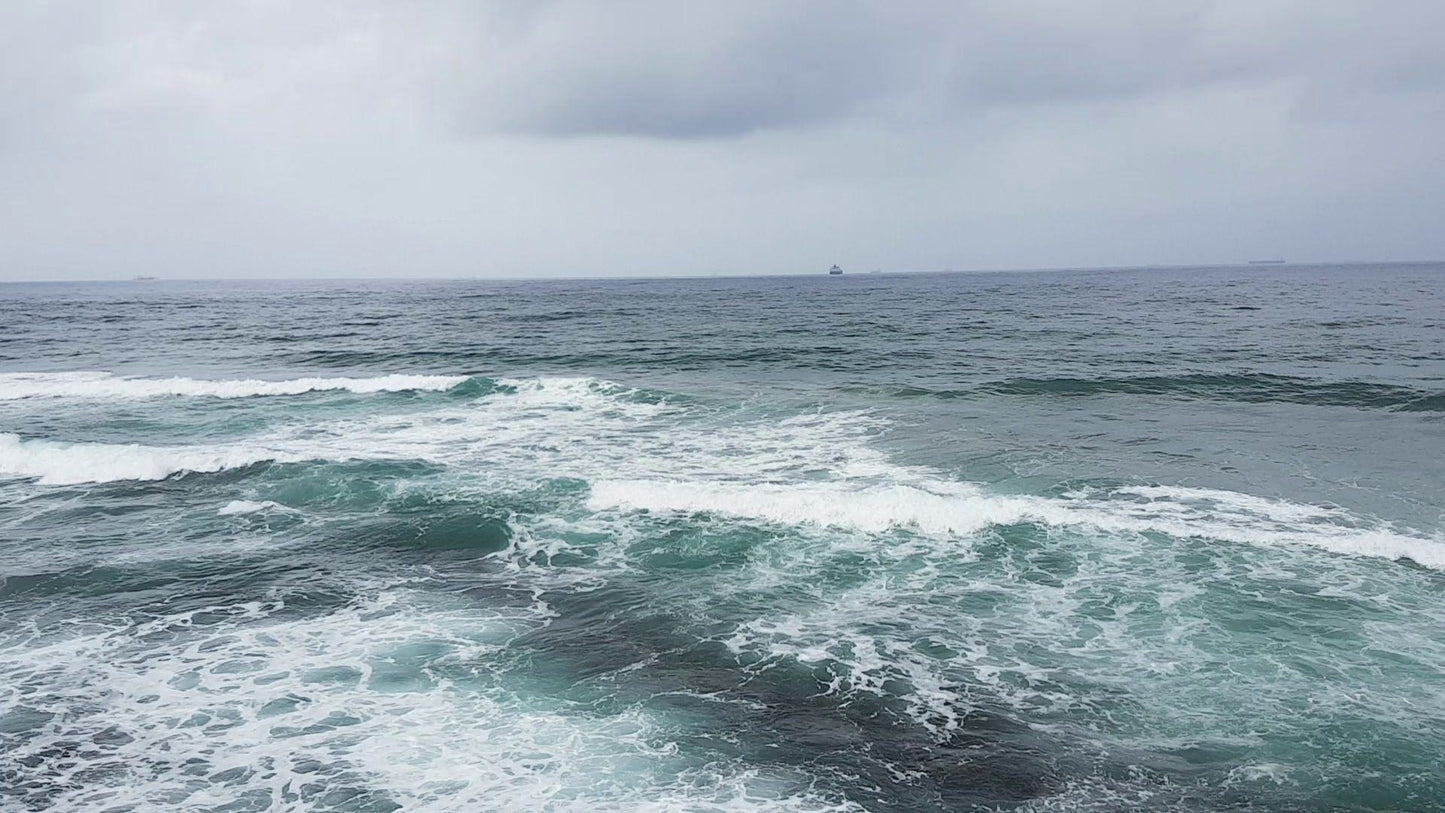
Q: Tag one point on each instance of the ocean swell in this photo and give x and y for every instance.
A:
(1246, 388)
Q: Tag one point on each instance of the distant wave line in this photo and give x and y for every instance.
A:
(1242, 387)
(103, 385)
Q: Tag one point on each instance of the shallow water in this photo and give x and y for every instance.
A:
(1149, 539)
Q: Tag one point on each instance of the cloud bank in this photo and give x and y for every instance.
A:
(571, 138)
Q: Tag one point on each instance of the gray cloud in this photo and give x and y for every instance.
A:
(689, 71)
(340, 138)
(692, 70)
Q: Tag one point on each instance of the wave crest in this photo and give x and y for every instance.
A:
(57, 463)
(943, 508)
(101, 385)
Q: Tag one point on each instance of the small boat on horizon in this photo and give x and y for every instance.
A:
(142, 278)
(835, 271)
(1266, 262)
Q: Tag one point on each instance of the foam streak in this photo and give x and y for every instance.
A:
(95, 385)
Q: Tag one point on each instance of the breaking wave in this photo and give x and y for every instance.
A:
(524, 421)
(961, 509)
(58, 463)
(639, 453)
(101, 385)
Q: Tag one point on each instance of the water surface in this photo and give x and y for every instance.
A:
(1146, 539)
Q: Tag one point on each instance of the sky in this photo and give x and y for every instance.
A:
(622, 138)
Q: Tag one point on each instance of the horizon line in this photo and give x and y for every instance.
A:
(1267, 263)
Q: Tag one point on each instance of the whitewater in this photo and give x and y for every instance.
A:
(904, 543)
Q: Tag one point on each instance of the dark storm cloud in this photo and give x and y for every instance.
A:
(534, 138)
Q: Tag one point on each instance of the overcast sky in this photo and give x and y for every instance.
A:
(522, 139)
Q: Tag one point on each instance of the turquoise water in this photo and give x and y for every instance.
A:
(1151, 539)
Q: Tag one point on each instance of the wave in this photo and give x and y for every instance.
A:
(873, 509)
(58, 463)
(943, 508)
(640, 452)
(102, 385)
(548, 420)
(1245, 387)
(238, 507)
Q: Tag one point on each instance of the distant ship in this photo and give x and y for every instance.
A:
(143, 278)
(835, 271)
(1266, 262)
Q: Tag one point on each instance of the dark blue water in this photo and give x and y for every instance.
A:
(1145, 539)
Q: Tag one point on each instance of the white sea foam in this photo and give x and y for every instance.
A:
(577, 393)
(961, 509)
(398, 694)
(100, 385)
(817, 469)
(249, 507)
(868, 508)
(255, 696)
(57, 463)
(543, 421)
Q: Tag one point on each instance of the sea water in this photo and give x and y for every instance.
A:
(1134, 539)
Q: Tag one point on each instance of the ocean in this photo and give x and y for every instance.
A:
(1139, 539)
